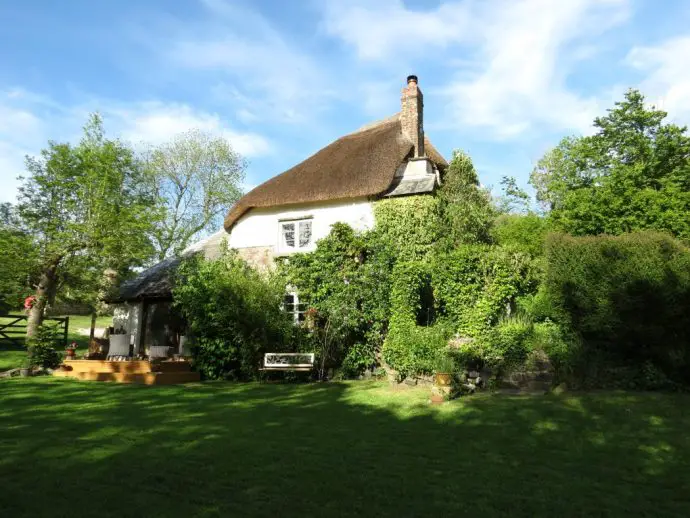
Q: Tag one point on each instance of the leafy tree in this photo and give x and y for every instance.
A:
(199, 179)
(18, 258)
(524, 232)
(514, 199)
(633, 174)
(466, 206)
(231, 337)
(90, 208)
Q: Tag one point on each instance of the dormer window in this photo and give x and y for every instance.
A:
(295, 235)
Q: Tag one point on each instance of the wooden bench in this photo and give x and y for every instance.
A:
(300, 362)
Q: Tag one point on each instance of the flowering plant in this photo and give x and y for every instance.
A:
(72, 346)
(29, 302)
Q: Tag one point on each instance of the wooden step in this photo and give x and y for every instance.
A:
(106, 366)
(171, 366)
(147, 378)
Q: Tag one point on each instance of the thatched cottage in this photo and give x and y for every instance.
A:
(290, 212)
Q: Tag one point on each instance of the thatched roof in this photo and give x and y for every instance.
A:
(156, 282)
(362, 163)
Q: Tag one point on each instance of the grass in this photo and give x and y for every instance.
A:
(11, 355)
(76, 449)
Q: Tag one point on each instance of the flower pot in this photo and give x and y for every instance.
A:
(70, 354)
(25, 372)
(443, 379)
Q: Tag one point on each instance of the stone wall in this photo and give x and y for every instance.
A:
(260, 257)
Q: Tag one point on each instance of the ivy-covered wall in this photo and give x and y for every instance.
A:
(411, 225)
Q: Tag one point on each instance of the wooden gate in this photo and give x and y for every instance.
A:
(13, 329)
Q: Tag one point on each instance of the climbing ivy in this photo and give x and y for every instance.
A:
(475, 284)
(411, 225)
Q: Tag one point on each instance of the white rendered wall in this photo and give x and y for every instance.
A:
(260, 226)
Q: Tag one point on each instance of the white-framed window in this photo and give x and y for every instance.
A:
(295, 235)
(292, 305)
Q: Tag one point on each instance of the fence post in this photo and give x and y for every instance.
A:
(64, 337)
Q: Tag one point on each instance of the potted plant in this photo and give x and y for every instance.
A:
(25, 367)
(445, 366)
(70, 351)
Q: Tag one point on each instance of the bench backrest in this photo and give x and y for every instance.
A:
(289, 360)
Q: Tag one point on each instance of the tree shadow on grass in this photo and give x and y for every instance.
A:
(340, 449)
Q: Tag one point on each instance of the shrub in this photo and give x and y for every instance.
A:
(359, 358)
(413, 350)
(346, 281)
(626, 298)
(409, 348)
(525, 233)
(41, 349)
(473, 284)
(508, 343)
(233, 313)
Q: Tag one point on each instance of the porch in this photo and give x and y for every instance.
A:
(167, 372)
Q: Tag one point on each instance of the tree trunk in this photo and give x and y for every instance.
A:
(45, 285)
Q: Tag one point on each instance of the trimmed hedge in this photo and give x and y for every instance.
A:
(626, 297)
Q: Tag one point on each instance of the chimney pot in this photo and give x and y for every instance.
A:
(412, 78)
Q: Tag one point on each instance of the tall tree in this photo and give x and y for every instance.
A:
(18, 259)
(199, 178)
(467, 207)
(632, 174)
(90, 208)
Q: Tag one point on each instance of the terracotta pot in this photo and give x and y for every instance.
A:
(443, 379)
(437, 399)
(70, 354)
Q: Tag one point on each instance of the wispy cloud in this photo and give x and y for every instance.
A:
(28, 120)
(667, 82)
(516, 56)
(266, 74)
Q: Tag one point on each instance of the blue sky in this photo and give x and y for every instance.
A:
(504, 80)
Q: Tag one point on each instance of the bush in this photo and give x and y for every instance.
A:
(414, 350)
(525, 233)
(508, 343)
(234, 315)
(473, 284)
(409, 348)
(359, 358)
(41, 349)
(627, 299)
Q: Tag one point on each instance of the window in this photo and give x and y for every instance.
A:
(295, 235)
(292, 305)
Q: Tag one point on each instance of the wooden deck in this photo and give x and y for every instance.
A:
(134, 371)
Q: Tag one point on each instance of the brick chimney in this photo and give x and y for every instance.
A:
(412, 115)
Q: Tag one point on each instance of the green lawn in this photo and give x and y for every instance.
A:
(74, 449)
(11, 356)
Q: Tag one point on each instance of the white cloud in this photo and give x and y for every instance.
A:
(667, 83)
(157, 122)
(29, 120)
(516, 55)
(389, 29)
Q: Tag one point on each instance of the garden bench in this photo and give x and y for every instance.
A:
(301, 362)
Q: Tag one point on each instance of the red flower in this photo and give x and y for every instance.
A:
(29, 302)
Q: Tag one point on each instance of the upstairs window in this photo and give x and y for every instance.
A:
(295, 235)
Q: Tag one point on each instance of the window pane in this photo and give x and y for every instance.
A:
(289, 234)
(304, 233)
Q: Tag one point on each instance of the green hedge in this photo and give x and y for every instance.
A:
(627, 298)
